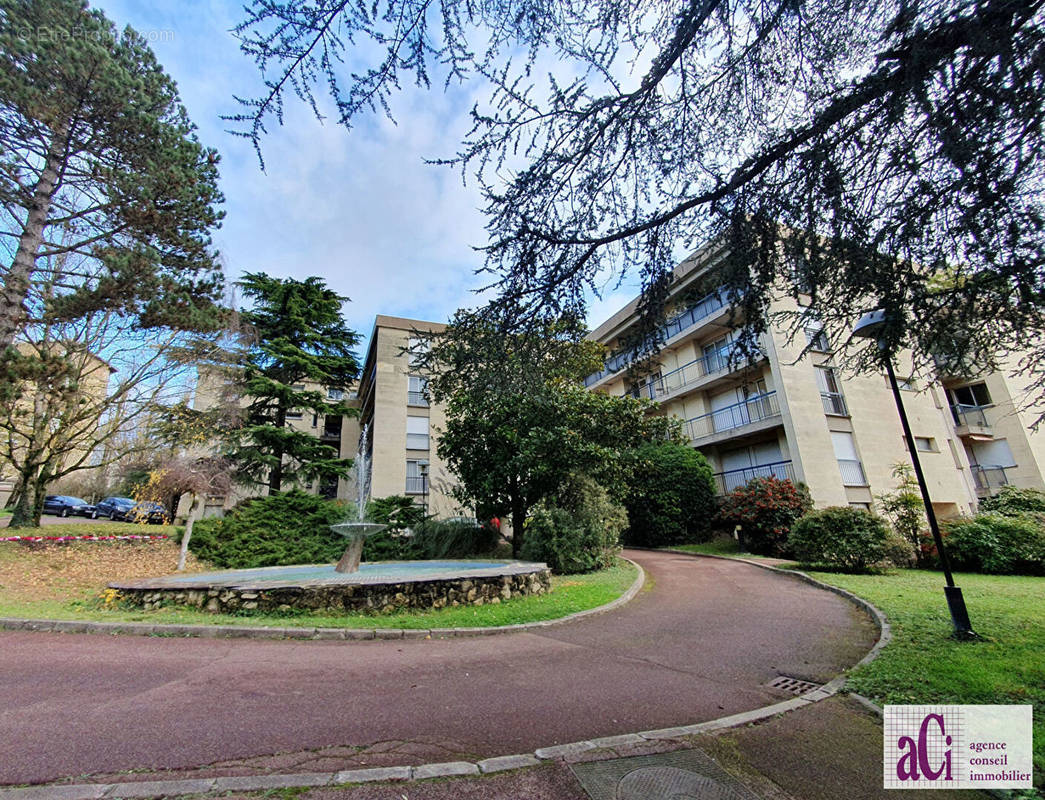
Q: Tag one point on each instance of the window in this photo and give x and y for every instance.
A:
(315, 420)
(815, 336)
(337, 395)
(415, 393)
(831, 392)
(907, 384)
(417, 433)
(647, 387)
(416, 476)
(975, 394)
(863, 506)
(926, 444)
(848, 460)
(294, 413)
(417, 348)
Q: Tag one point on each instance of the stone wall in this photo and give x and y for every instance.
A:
(377, 597)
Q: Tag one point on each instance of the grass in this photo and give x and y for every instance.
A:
(723, 546)
(923, 664)
(94, 528)
(65, 582)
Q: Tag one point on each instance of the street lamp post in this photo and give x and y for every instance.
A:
(423, 468)
(870, 326)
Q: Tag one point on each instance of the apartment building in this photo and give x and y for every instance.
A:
(794, 414)
(401, 427)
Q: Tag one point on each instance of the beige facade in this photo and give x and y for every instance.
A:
(796, 415)
(401, 425)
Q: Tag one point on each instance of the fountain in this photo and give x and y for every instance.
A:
(357, 531)
(348, 586)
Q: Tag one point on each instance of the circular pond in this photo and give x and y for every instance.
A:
(377, 586)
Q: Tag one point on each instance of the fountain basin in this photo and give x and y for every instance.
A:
(377, 586)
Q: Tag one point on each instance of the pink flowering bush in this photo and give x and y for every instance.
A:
(765, 509)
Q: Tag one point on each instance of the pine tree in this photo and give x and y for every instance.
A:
(98, 159)
(299, 348)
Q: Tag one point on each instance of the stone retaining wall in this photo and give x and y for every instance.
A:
(383, 597)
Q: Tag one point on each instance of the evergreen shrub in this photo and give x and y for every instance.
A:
(1012, 501)
(578, 531)
(997, 544)
(285, 528)
(848, 538)
(672, 499)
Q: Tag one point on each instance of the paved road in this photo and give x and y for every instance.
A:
(702, 643)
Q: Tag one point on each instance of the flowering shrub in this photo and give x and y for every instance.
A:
(92, 538)
(765, 509)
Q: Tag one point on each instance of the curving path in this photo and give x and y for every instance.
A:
(700, 644)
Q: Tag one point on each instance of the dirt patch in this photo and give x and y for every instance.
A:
(35, 572)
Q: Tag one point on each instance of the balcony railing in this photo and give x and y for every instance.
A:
(416, 399)
(989, 477)
(852, 472)
(834, 403)
(754, 409)
(703, 308)
(416, 484)
(972, 416)
(733, 478)
(719, 362)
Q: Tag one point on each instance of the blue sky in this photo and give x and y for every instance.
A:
(359, 207)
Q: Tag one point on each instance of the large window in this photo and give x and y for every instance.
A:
(975, 394)
(416, 476)
(415, 393)
(417, 433)
(831, 392)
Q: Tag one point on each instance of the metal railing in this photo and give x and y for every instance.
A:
(704, 307)
(416, 399)
(834, 403)
(990, 476)
(852, 472)
(754, 409)
(733, 478)
(718, 362)
(416, 485)
(970, 415)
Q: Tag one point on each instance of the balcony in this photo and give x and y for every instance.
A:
(739, 415)
(852, 472)
(416, 399)
(989, 478)
(972, 422)
(834, 404)
(734, 478)
(697, 313)
(722, 361)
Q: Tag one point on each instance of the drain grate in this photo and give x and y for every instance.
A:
(794, 686)
(680, 775)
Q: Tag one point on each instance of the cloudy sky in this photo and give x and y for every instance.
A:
(359, 208)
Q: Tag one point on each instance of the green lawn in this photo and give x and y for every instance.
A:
(923, 664)
(717, 547)
(67, 582)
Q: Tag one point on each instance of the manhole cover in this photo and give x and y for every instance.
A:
(681, 775)
(791, 685)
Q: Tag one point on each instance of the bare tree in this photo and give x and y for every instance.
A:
(197, 476)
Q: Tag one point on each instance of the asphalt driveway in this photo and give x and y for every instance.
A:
(701, 643)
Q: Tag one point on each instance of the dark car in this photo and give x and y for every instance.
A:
(114, 507)
(147, 511)
(63, 505)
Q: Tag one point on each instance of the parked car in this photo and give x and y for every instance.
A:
(114, 507)
(63, 505)
(147, 511)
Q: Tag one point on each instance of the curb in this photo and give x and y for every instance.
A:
(487, 766)
(315, 634)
